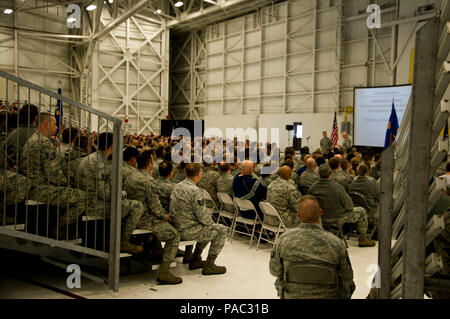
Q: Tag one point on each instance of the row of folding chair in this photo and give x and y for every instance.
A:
(252, 225)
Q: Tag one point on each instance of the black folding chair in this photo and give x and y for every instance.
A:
(310, 274)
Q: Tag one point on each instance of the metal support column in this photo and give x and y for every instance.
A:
(116, 208)
(385, 223)
(419, 157)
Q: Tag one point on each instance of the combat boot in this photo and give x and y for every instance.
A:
(196, 261)
(165, 277)
(187, 254)
(366, 242)
(127, 247)
(211, 269)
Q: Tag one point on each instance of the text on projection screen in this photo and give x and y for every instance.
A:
(372, 111)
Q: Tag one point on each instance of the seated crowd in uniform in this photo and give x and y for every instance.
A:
(310, 193)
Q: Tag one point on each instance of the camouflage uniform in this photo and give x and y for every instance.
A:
(16, 141)
(165, 187)
(71, 164)
(325, 144)
(13, 186)
(308, 178)
(295, 178)
(339, 202)
(347, 144)
(268, 179)
(41, 164)
(235, 171)
(156, 166)
(63, 148)
(96, 179)
(225, 185)
(375, 173)
(142, 187)
(311, 244)
(127, 170)
(343, 178)
(192, 219)
(371, 192)
(209, 183)
(178, 175)
(284, 196)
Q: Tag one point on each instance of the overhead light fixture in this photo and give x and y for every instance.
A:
(8, 11)
(179, 4)
(158, 11)
(91, 7)
(110, 1)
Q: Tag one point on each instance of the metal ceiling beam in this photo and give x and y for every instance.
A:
(215, 14)
(120, 19)
(213, 2)
(209, 10)
(50, 4)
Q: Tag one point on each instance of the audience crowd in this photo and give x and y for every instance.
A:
(174, 199)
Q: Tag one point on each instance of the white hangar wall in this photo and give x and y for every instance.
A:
(298, 60)
(28, 52)
(126, 73)
(298, 57)
(132, 72)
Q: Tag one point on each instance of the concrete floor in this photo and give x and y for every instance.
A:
(247, 277)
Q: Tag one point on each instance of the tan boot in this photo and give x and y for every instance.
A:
(366, 242)
(196, 261)
(211, 269)
(165, 277)
(187, 254)
(127, 247)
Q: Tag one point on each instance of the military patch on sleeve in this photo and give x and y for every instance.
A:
(201, 202)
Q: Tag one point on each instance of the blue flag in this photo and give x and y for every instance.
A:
(59, 111)
(392, 128)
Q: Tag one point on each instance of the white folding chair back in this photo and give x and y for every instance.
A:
(245, 205)
(225, 199)
(269, 210)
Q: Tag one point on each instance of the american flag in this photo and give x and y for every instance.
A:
(334, 133)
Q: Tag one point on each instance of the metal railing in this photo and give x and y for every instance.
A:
(409, 185)
(46, 205)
